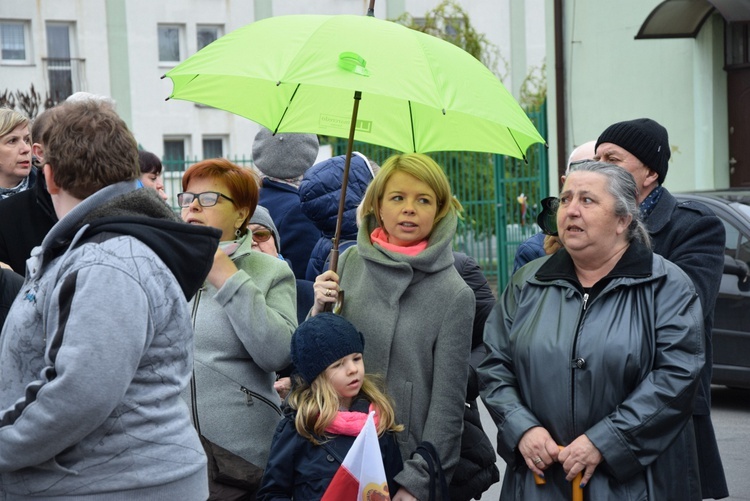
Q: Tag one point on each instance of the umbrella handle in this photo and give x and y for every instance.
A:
(577, 489)
(337, 306)
(342, 204)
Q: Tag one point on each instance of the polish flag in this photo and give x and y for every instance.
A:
(361, 477)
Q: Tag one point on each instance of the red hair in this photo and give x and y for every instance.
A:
(242, 183)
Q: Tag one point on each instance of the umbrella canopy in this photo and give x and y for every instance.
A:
(299, 74)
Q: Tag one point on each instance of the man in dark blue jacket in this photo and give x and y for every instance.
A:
(282, 159)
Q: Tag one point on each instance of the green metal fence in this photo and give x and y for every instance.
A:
(494, 222)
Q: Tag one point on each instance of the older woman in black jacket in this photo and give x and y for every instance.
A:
(595, 354)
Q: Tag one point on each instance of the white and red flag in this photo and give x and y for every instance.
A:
(361, 476)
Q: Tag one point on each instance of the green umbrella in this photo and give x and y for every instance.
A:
(299, 73)
(412, 92)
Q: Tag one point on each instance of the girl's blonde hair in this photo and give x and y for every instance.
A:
(317, 404)
(419, 166)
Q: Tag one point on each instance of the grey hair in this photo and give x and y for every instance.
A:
(621, 185)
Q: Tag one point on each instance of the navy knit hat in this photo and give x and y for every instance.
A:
(284, 156)
(644, 138)
(321, 340)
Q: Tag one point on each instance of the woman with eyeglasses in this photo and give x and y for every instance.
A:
(265, 235)
(244, 317)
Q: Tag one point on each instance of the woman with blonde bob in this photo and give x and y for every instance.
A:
(404, 294)
(16, 174)
(329, 406)
(244, 317)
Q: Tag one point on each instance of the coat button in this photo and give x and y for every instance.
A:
(330, 458)
(580, 363)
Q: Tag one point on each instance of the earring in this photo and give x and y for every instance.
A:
(237, 233)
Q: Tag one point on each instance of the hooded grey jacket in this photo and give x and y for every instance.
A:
(95, 352)
(242, 335)
(416, 314)
(621, 368)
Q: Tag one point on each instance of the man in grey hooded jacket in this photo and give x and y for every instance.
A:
(98, 346)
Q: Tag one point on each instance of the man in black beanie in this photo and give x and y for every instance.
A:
(689, 235)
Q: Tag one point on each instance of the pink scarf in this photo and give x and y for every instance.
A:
(379, 237)
(350, 423)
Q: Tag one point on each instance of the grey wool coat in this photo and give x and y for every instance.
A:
(416, 314)
(242, 336)
(621, 367)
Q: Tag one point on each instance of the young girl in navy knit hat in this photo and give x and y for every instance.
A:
(329, 404)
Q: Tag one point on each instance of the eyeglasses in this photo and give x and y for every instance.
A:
(261, 235)
(205, 199)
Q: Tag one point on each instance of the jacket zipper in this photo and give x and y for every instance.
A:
(250, 394)
(577, 363)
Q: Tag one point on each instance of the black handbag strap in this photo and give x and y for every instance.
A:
(434, 469)
(193, 391)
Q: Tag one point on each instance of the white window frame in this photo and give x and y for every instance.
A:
(28, 56)
(198, 27)
(173, 179)
(180, 43)
(73, 67)
(223, 140)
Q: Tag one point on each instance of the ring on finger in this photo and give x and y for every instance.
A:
(537, 460)
(328, 292)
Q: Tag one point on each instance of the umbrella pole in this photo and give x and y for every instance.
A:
(342, 201)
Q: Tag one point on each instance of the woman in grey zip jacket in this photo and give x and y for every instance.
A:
(244, 316)
(596, 349)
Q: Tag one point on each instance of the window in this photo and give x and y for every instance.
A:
(736, 45)
(174, 150)
(213, 147)
(732, 239)
(63, 81)
(170, 43)
(14, 42)
(207, 34)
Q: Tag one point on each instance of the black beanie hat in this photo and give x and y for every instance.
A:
(321, 340)
(645, 139)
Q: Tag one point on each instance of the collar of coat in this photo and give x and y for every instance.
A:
(661, 214)
(636, 262)
(436, 257)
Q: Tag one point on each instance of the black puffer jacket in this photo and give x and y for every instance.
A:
(10, 284)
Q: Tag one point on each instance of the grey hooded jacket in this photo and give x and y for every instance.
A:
(621, 368)
(95, 352)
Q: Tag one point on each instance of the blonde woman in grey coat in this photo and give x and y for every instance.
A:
(594, 358)
(244, 318)
(404, 294)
